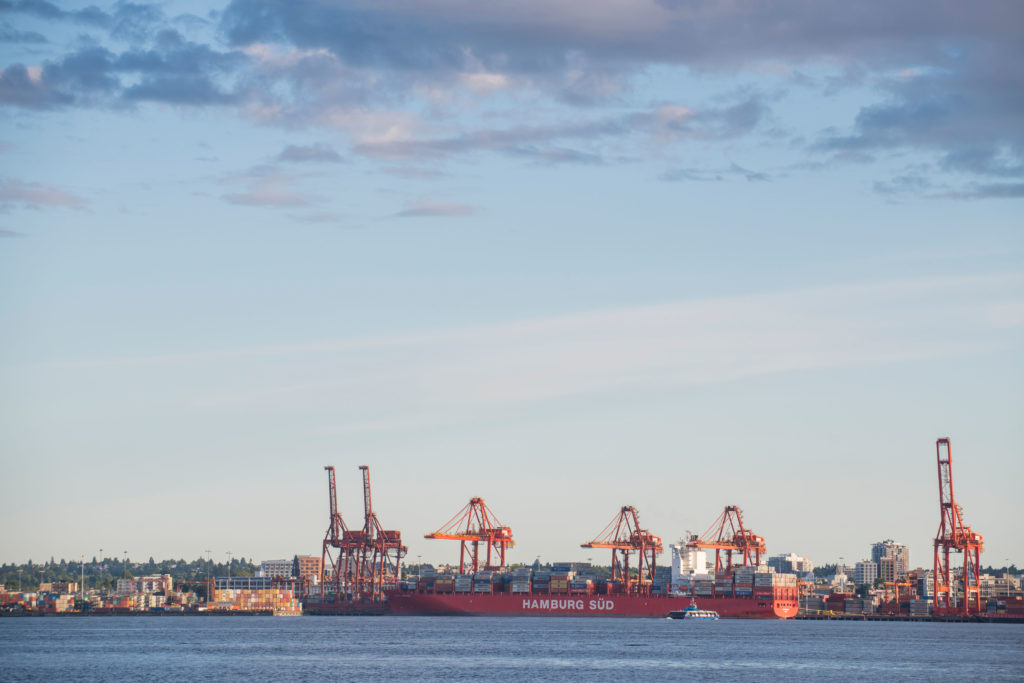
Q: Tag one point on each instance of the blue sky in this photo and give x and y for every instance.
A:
(564, 256)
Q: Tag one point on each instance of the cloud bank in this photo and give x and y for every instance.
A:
(946, 77)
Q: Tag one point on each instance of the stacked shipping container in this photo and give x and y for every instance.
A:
(257, 599)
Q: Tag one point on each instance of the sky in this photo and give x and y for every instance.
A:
(565, 256)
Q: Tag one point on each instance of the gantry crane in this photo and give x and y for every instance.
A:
(728, 534)
(954, 536)
(623, 535)
(336, 558)
(358, 564)
(380, 551)
(475, 524)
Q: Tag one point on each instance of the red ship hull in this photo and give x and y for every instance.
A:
(535, 605)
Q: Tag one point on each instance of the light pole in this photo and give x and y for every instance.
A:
(81, 589)
(98, 573)
(229, 566)
(209, 592)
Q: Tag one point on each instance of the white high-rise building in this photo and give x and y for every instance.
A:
(865, 571)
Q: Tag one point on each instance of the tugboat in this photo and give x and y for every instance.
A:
(693, 612)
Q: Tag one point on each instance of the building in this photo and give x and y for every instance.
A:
(999, 586)
(158, 583)
(899, 553)
(791, 564)
(62, 587)
(887, 569)
(865, 571)
(277, 569)
(839, 582)
(926, 585)
(306, 566)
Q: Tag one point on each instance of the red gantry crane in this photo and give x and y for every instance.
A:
(728, 534)
(954, 536)
(358, 564)
(380, 551)
(473, 525)
(335, 561)
(624, 535)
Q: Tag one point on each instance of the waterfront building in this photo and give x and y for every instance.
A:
(277, 569)
(865, 571)
(62, 587)
(157, 583)
(925, 584)
(888, 569)
(899, 553)
(999, 586)
(306, 566)
(791, 564)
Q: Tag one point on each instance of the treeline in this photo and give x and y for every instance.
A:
(104, 573)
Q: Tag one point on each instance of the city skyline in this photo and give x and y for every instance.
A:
(563, 256)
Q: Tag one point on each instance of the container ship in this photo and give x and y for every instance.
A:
(753, 592)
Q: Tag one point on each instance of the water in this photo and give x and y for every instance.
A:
(156, 648)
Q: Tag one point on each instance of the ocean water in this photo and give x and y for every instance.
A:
(155, 648)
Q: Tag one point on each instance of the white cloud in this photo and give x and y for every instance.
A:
(485, 82)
